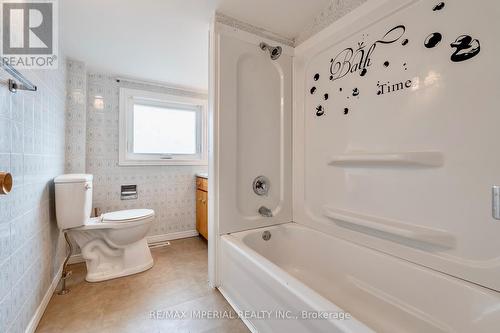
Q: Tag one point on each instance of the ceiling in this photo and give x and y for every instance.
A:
(166, 40)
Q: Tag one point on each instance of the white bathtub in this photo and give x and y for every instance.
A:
(300, 269)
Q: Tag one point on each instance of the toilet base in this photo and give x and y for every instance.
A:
(125, 272)
(105, 262)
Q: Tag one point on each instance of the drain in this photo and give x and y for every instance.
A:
(266, 235)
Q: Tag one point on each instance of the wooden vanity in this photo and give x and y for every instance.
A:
(202, 205)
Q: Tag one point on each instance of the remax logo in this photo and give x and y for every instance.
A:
(29, 36)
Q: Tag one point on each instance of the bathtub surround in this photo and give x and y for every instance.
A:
(374, 173)
(169, 190)
(32, 148)
(354, 182)
(253, 132)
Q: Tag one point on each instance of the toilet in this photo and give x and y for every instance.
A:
(113, 244)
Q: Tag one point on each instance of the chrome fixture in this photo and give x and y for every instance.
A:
(265, 212)
(66, 273)
(495, 200)
(261, 185)
(14, 86)
(274, 52)
(266, 235)
(128, 192)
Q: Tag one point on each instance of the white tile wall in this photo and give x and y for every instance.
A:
(169, 190)
(31, 148)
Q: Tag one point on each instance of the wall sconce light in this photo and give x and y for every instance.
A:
(99, 103)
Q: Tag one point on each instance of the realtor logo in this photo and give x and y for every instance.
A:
(29, 33)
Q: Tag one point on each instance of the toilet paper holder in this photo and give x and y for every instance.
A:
(5, 183)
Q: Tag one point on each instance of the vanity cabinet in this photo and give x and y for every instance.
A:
(202, 206)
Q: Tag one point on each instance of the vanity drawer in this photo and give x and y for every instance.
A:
(202, 213)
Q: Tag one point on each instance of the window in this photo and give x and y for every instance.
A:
(161, 129)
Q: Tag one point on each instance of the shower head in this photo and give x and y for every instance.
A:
(274, 52)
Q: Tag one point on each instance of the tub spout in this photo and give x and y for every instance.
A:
(266, 212)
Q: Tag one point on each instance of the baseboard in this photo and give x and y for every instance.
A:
(171, 236)
(45, 301)
(77, 258)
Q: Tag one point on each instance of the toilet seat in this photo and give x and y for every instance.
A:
(119, 219)
(129, 215)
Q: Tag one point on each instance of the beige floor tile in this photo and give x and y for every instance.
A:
(177, 282)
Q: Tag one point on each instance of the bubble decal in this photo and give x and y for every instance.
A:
(432, 40)
(313, 90)
(466, 48)
(320, 111)
(404, 42)
(316, 77)
(439, 6)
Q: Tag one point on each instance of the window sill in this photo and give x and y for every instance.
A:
(162, 162)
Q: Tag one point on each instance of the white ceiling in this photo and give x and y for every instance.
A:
(166, 40)
(284, 17)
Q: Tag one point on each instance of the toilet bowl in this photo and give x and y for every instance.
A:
(113, 244)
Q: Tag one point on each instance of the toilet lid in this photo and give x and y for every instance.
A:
(127, 215)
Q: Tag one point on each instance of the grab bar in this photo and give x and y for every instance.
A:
(409, 231)
(416, 158)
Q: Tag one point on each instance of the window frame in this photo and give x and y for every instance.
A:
(130, 97)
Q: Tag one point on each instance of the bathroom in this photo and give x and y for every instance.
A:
(249, 166)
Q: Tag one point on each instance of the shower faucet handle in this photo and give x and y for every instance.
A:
(261, 185)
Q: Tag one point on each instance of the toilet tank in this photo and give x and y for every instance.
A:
(73, 200)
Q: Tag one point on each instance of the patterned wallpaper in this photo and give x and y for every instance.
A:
(335, 10)
(169, 190)
(76, 116)
(32, 148)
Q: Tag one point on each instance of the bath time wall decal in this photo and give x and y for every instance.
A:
(361, 58)
(349, 61)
